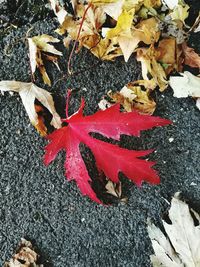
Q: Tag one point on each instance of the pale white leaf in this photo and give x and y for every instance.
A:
(170, 3)
(128, 93)
(29, 92)
(113, 9)
(59, 11)
(104, 104)
(127, 45)
(185, 85)
(198, 103)
(32, 54)
(181, 247)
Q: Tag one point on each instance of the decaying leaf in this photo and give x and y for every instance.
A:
(110, 159)
(114, 189)
(37, 45)
(133, 97)
(29, 92)
(192, 59)
(169, 54)
(150, 65)
(181, 246)
(25, 256)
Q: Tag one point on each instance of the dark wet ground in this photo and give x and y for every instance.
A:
(36, 201)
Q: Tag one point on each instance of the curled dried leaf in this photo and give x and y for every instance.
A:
(29, 92)
(37, 45)
(25, 256)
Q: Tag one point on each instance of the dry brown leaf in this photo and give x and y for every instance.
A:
(167, 54)
(37, 45)
(132, 97)
(192, 59)
(147, 57)
(29, 92)
(25, 256)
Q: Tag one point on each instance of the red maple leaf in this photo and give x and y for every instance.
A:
(111, 159)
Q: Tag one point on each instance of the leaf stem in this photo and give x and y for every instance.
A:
(77, 38)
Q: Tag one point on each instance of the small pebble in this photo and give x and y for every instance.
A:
(171, 139)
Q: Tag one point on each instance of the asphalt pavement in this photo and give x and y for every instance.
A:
(36, 202)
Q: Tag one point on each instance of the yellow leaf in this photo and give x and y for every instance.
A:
(180, 13)
(123, 26)
(152, 3)
(133, 97)
(148, 31)
(104, 49)
(152, 67)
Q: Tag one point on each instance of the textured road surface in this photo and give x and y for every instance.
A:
(36, 202)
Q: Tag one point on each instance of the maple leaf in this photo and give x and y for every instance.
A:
(132, 97)
(29, 92)
(37, 45)
(150, 65)
(111, 159)
(180, 12)
(180, 245)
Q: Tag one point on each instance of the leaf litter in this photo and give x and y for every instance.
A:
(154, 31)
(179, 246)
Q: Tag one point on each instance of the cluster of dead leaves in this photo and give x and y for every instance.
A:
(154, 30)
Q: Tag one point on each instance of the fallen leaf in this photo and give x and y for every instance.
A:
(112, 8)
(29, 92)
(37, 45)
(152, 3)
(192, 59)
(185, 85)
(111, 159)
(25, 256)
(114, 189)
(169, 55)
(104, 104)
(180, 247)
(59, 11)
(151, 66)
(198, 103)
(128, 38)
(171, 3)
(180, 12)
(133, 97)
